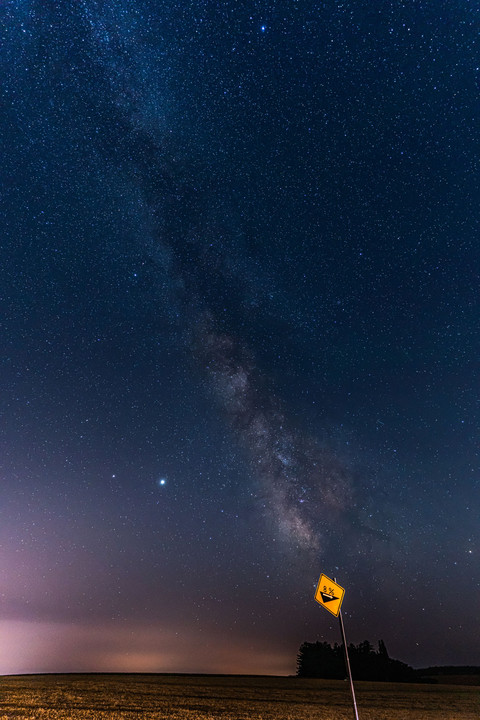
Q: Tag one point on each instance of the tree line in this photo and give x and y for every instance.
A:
(321, 660)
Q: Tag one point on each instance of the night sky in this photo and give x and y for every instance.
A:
(240, 328)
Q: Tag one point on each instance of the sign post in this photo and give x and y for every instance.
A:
(330, 596)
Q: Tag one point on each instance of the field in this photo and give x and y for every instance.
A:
(187, 697)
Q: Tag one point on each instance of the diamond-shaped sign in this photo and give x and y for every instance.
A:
(329, 595)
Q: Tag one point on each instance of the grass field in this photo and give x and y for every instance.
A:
(177, 697)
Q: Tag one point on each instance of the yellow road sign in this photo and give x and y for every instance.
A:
(329, 595)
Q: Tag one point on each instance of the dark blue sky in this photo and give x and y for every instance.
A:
(240, 327)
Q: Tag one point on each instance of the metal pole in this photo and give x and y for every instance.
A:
(347, 662)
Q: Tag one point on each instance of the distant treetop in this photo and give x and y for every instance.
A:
(321, 660)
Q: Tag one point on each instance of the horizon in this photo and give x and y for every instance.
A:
(126, 659)
(219, 674)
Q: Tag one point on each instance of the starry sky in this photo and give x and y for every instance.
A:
(240, 330)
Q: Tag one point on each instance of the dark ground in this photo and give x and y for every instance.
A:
(191, 697)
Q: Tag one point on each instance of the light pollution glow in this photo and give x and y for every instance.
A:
(49, 647)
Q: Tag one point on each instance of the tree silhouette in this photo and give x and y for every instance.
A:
(322, 660)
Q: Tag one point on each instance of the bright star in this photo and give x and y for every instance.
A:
(162, 481)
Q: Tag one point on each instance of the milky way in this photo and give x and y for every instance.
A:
(299, 482)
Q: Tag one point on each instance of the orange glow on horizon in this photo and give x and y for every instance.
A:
(48, 647)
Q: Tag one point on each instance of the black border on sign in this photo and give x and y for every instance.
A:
(335, 614)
